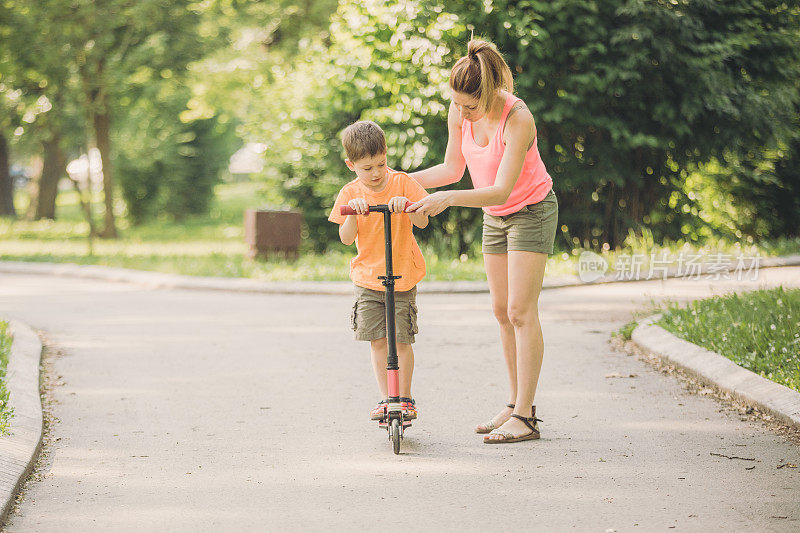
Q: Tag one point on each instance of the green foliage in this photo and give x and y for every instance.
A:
(168, 166)
(383, 62)
(759, 330)
(626, 331)
(783, 200)
(675, 116)
(6, 412)
(202, 155)
(178, 178)
(628, 94)
(72, 59)
(213, 244)
(757, 198)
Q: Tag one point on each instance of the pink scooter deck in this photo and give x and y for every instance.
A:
(384, 425)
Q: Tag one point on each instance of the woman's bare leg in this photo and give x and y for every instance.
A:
(497, 276)
(525, 275)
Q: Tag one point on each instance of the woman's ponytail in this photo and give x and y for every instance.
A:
(481, 73)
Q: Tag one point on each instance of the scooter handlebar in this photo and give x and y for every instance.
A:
(347, 210)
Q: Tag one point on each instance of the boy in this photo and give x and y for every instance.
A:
(375, 183)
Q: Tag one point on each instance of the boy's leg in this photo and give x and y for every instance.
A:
(380, 350)
(407, 329)
(405, 360)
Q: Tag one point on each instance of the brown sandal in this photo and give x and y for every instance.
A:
(509, 437)
(489, 426)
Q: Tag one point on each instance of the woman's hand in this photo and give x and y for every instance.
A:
(432, 205)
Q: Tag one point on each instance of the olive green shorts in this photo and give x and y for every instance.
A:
(531, 229)
(369, 315)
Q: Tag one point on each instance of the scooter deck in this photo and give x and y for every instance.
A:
(383, 424)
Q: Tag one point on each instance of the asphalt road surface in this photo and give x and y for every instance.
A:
(181, 410)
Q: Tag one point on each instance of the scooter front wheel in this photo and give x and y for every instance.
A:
(394, 434)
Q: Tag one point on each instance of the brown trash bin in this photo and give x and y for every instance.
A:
(269, 232)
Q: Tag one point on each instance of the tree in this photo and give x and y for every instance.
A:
(379, 61)
(6, 185)
(630, 94)
(116, 41)
(169, 166)
(39, 98)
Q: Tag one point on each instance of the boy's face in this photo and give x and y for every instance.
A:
(467, 106)
(371, 171)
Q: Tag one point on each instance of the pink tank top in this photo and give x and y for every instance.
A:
(483, 161)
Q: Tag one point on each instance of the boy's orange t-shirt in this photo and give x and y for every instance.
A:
(370, 262)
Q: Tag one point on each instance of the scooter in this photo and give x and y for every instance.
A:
(392, 412)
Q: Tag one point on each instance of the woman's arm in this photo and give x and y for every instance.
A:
(517, 135)
(419, 220)
(454, 164)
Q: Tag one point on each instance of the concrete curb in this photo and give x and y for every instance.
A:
(781, 402)
(20, 448)
(158, 280)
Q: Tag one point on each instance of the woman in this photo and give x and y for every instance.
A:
(493, 133)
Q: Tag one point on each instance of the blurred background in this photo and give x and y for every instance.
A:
(136, 133)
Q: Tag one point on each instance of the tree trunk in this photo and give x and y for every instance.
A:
(102, 131)
(53, 169)
(6, 185)
(610, 215)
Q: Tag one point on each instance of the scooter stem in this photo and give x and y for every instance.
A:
(388, 282)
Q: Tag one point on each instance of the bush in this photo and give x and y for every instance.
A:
(629, 97)
(382, 62)
(167, 166)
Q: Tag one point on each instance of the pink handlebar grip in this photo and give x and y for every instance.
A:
(347, 210)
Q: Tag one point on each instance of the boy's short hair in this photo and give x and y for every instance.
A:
(363, 139)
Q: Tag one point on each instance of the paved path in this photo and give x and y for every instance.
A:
(211, 411)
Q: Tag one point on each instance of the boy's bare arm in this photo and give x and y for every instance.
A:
(348, 230)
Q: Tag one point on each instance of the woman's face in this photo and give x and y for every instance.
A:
(467, 106)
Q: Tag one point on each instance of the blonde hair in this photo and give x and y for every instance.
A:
(481, 73)
(363, 139)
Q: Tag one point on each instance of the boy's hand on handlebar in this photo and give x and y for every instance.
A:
(398, 204)
(359, 205)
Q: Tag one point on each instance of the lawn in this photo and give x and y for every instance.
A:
(758, 330)
(5, 350)
(213, 245)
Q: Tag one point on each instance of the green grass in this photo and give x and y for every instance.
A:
(626, 331)
(759, 330)
(6, 412)
(213, 245)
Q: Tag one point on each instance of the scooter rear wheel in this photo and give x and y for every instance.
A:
(394, 434)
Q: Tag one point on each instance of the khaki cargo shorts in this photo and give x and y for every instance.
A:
(531, 229)
(368, 319)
